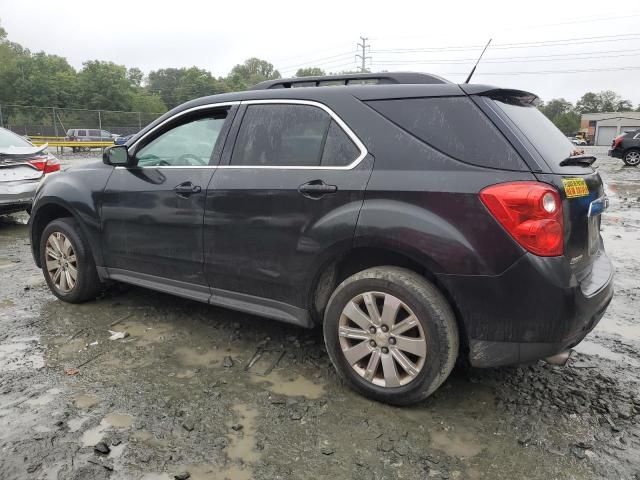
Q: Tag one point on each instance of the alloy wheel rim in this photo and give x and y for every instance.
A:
(633, 158)
(382, 339)
(61, 262)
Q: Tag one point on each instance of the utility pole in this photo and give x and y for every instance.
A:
(363, 57)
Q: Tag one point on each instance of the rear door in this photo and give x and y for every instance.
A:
(152, 212)
(289, 189)
(580, 186)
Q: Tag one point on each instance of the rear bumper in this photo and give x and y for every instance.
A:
(615, 153)
(17, 195)
(535, 309)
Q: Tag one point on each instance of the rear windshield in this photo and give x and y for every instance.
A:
(545, 137)
(10, 139)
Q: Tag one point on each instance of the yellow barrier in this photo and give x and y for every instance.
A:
(70, 144)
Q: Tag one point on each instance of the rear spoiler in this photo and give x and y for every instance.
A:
(22, 152)
(506, 95)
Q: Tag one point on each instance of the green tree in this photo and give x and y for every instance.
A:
(605, 101)
(555, 107)
(249, 73)
(310, 72)
(104, 85)
(568, 122)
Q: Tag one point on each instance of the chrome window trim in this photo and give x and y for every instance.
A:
(331, 113)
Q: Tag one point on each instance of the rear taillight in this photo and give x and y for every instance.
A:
(531, 212)
(46, 163)
(617, 141)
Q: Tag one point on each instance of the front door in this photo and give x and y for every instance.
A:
(288, 193)
(152, 213)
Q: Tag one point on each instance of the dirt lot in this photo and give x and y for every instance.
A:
(175, 396)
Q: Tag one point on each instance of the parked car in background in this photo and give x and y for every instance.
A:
(121, 140)
(627, 147)
(88, 135)
(22, 167)
(415, 220)
(577, 141)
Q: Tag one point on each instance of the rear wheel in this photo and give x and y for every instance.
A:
(391, 335)
(632, 158)
(67, 262)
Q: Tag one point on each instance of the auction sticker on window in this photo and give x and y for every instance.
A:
(575, 187)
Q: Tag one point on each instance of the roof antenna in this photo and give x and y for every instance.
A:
(473, 70)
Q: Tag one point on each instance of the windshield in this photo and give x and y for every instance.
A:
(9, 139)
(550, 142)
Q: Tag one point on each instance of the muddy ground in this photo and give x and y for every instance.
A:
(174, 396)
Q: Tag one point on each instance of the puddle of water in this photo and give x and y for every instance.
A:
(14, 354)
(196, 357)
(116, 451)
(84, 401)
(456, 444)
(242, 444)
(591, 348)
(292, 386)
(206, 472)
(76, 423)
(94, 435)
(46, 398)
(145, 334)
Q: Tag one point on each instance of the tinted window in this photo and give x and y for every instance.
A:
(339, 149)
(9, 139)
(281, 135)
(94, 133)
(189, 144)
(454, 126)
(82, 133)
(550, 142)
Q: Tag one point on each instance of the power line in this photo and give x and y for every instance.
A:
(500, 46)
(529, 60)
(551, 72)
(318, 61)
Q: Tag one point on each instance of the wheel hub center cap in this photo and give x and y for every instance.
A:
(381, 338)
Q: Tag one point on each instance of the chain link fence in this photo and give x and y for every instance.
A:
(55, 122)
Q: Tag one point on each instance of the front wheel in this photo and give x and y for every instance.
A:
(391, 335)
(632, 158)
(67, 262)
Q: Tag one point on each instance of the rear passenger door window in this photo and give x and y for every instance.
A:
(289, 136)
(281, 136)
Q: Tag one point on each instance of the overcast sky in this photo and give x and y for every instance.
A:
(437, 37)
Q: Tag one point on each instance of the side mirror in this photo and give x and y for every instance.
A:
(116, 156)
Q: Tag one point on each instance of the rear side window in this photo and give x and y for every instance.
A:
(545, 137)
(281, 135)
(339, 149)
(455, 126)
(94, 133)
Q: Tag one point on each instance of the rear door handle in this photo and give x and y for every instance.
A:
(187, 188)
(316, 189)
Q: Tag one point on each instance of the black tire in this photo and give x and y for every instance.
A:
(632, 157)
(428, 305)
(87, 285)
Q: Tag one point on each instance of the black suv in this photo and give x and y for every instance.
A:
(416, 220)
(627, 147)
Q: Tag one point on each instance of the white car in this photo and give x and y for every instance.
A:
(22, 167)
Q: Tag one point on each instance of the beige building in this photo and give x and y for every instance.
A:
(602, 128)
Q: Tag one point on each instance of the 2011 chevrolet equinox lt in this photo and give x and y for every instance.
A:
(415, 219)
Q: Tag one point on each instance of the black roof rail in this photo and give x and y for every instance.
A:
(352, 78)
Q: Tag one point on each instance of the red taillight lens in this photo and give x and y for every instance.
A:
(531, 212)
(617, 141)
(46, 163)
